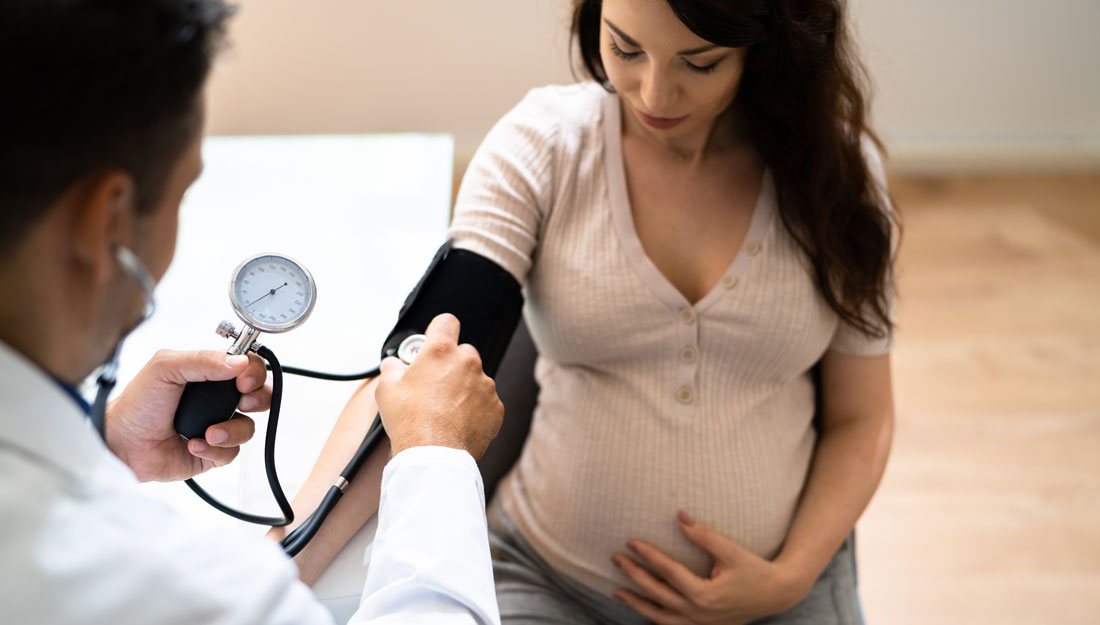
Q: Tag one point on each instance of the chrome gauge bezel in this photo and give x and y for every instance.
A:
(263, 326)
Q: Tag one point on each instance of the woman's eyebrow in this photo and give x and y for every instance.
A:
(625, 37)
(630, 41)
(699, 50)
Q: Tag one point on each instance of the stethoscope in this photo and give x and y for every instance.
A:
(274, 294)
(133, 267)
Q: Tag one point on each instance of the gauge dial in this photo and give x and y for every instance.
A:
(272, 293)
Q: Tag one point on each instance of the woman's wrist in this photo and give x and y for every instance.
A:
(795, 575)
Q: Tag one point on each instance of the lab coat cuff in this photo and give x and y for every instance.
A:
(430, 455)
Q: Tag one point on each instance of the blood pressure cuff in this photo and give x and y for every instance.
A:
(484, 297)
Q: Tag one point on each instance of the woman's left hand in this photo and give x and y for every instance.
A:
(742, 586)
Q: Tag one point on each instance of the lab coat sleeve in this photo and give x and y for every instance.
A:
(430, 560)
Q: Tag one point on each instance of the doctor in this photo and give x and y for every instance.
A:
(100, 118)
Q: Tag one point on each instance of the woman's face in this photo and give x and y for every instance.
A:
(675, 83)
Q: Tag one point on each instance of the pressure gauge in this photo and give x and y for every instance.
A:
(272, 293)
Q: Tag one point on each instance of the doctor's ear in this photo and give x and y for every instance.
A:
(104, 210)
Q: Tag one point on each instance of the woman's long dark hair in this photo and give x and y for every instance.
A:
(803, 103)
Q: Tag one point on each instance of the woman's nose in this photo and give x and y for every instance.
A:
(657, 92)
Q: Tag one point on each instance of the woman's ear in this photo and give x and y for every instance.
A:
(103, 209)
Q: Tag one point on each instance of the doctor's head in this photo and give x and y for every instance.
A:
(101, 116)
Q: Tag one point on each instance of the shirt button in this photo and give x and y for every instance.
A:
(685, 395)
(729, 281)
(752, 248)
(687, 315)
(688, 354)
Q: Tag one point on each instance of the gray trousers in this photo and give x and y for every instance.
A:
(531, 593)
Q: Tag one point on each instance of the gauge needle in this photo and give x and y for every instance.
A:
(271, 292)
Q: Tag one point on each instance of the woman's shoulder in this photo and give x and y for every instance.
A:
(577, 95)
(872, 156)
(565, 107)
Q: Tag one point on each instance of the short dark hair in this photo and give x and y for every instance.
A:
(87, 86)
(803, 100)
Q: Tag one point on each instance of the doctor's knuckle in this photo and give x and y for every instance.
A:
(434, 350)
(469, 353)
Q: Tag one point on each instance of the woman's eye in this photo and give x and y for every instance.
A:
(705, 69)
(626, 56)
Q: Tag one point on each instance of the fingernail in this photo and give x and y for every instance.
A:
(236, 361)
(615, 560)
(197, 446)
(631, 546)
(685, 519)
(218, 436)
(248, 403)
(248, 382)
(619, 597)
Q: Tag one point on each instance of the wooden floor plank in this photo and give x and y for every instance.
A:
(990, 508)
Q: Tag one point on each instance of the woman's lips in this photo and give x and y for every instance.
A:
(661, 123)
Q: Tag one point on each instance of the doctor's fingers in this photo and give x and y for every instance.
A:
(391, 370)
(253, 378)
(256, 401)
(211, 456)
(176, 367)
(444, 329)
(229, 434)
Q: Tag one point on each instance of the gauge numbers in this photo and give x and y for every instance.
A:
(272, 293)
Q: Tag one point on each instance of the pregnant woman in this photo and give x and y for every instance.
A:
(699, 229)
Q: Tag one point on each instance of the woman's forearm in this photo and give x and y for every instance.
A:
(358, 503)
(847, 467)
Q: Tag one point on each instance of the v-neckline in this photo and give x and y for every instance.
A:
(623, 220)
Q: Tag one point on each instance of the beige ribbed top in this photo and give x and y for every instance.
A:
(648, 404)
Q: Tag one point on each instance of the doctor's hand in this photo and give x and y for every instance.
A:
(742, 586)
(139, 427)
(443, 399)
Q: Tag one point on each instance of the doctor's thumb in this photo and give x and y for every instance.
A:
(199, 366)
(392, 369)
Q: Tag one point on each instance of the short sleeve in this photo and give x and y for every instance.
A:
(508, 186)
(850, 340)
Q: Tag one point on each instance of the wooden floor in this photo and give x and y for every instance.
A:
(990, 508)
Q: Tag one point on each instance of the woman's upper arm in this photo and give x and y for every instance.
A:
(855, 387)
(508, 187)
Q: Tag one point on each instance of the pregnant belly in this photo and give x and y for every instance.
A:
(577, 500)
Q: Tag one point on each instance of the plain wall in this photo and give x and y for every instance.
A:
(345, 66)
(972, 83)
(985, 82)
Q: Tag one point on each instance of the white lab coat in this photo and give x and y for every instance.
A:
(80, 543)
